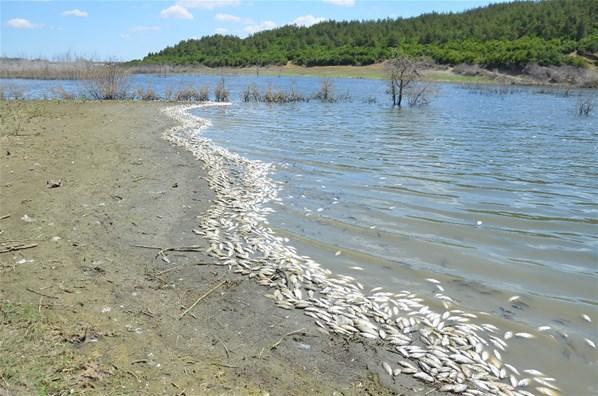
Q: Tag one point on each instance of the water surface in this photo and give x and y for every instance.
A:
(494, 194)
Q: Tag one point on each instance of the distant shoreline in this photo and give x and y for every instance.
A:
(559, 76)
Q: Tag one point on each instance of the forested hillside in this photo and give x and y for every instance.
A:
(502, 35)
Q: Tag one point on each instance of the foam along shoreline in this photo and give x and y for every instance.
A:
(451, 350)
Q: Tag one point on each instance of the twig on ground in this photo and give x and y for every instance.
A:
(277, 343)
(223, 365)
(224, 345)
(192, 248)
(134, 375)
(40, 294)
(17, 246)
(163, 250)
(169, 269)
(201, 298)
(6, 216)
(139, 361)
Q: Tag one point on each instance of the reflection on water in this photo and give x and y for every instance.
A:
(495, 195)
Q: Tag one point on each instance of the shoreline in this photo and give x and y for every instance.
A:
(440, 348)
(538, 76)
(87, 309)
(374, 337)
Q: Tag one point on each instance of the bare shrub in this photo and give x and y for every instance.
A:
(418, 94)
(326, 92)
(401, 72)
(61, 93)
(250, 94)
(187, 94)
(584, 106)
(220, 92)
(204, 93)
(147, 94)
(107, 82)
(15, 92)
(295, 96)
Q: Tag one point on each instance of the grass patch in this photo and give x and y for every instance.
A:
(38, 355)
(33, 359)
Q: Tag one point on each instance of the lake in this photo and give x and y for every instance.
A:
(491, 190)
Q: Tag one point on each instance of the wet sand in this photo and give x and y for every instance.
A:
(86, 308)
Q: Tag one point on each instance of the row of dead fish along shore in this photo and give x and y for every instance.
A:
(449, 350)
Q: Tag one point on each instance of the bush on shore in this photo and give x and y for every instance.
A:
(108, 82)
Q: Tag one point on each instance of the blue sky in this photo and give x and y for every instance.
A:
(130, 29)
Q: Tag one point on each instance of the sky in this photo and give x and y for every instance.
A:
(124, 30)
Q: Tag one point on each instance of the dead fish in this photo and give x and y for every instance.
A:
(387, 368)
(546, 391)
(524, 335)
(423, 376)
(534, 372)
(455, 388)
(586, 318)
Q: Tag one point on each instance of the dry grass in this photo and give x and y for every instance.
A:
(146, 94)
(46, 70)
(190, 94)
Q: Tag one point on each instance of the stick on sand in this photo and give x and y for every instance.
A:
(201, 298)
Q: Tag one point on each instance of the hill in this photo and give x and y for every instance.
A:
(507, 35)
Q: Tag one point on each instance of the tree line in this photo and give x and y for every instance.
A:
(507, 35)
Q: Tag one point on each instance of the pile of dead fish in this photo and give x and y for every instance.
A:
(448, 349)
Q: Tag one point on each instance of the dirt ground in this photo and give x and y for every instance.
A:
(85, 310)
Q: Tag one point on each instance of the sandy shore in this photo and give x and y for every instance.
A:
(84, 308)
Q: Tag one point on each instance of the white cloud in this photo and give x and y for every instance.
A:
(346, 3)
(76, 13)
(227, 18)
(307, 20)
(258, 27)
(21, 23)
(208, 4)
(140, 29)
(180, 10)
(176, 12)
(221, 31)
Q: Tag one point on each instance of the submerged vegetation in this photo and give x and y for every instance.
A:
(585, 105)
(325, 94)
(513, 35)
(220, 92)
